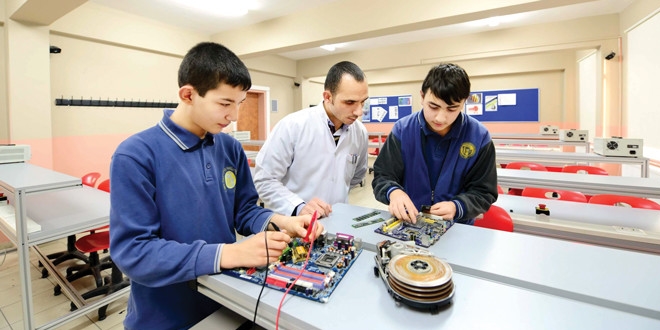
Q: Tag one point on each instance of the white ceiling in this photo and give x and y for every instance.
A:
(177, 13)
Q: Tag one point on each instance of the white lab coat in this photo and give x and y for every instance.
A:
(299, 161)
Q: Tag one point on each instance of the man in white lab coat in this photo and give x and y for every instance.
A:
(314, 156)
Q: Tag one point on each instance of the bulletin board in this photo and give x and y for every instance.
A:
(519, 105)
(386, 109)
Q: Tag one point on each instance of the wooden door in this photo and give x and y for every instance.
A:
(248, 118)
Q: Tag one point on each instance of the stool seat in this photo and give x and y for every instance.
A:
(94, 242)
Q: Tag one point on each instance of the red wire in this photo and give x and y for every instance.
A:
(309, 252)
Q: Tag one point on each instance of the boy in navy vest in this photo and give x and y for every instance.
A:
(439, 157)
(181, 190)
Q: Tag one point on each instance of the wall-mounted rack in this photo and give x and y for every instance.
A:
(81, 102)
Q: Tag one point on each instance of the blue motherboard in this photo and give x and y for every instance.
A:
(331, 257)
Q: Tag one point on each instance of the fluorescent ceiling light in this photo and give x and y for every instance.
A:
(330, 48)
(493, 21)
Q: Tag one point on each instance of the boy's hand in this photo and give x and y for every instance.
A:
(251, 252)
(447, 210)
(401, 207)
(297, 226)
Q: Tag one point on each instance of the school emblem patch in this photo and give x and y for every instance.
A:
(229, 178)
(467, 150)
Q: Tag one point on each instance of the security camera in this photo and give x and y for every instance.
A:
(297, 84)
(55, 50)
(610, 56)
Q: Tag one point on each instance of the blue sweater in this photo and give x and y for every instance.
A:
(466, 174)
(175, 199)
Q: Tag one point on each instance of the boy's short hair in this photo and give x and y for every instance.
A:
(208, 64)
(337, 71)
(448, 82)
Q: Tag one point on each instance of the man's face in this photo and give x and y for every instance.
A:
(217, 109)
(438, 114)
(345, 107)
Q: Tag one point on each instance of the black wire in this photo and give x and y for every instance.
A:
(263, 285)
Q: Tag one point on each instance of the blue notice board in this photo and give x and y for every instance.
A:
(386, 109)
(504, 105)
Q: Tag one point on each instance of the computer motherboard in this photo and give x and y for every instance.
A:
(424, 232)
(331, 257)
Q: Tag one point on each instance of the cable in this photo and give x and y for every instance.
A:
(302, 270)
(263, 285)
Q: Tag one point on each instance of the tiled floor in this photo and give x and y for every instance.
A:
(48, 307)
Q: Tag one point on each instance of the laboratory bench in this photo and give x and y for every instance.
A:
(502, 280)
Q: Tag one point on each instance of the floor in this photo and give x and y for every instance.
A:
(48, 307)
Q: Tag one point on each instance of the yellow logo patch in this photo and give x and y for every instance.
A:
(467, 150)
(229, 178)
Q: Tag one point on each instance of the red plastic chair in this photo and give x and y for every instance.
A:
(563, 195)
(626, 201)
(553, 168)
(531, 166)
(495, 218)
(526, 166)
(92, 244)
(499, 189)
(90, 179)
(104, 185)
(71, 252)
(584, 169)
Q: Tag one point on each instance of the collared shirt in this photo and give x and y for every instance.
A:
(436, 148)
(300, 161)
(175, 200)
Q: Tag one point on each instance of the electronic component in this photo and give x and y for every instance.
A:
(331, 257)
(577, 135)
(424, 232)
(542, 213)
(366, 216)
(618, 146)
(366, 223)
(549, 130)
(414, 276)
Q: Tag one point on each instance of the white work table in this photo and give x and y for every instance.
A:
(503, 280)
(614, 226)
(61, 206)
(588, 184)
(569, 158)
(525, 136)
(611, 278)
(361, 301)
(540, 142)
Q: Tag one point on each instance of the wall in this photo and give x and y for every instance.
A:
(4, 114)
(85, 137)
(502, 59)
(98, 62)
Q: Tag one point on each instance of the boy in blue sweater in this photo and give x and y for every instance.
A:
(439, 157)
(180, 191)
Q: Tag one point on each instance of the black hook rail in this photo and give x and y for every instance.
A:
(113, 103)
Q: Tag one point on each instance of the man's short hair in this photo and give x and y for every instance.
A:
(337, 71)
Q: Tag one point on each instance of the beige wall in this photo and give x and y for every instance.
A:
(110, 54)
(4, 115)
(100, 63)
